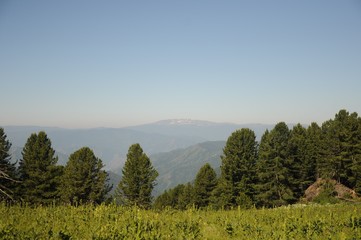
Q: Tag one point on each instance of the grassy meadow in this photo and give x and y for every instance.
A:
(339, 221)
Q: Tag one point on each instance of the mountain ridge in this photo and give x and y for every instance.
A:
(178, 148)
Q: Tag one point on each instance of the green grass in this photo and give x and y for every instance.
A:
(339, 221)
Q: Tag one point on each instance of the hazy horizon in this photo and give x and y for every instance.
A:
(90, 64)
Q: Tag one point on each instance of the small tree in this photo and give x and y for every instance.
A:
(138, 180)
(83, 180)
(39, 174)
(7, 169)
(204, 184)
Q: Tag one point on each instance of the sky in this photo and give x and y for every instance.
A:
(85, 64)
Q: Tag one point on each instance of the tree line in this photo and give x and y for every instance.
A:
(274, 172)
(277, 170)
(39, 180)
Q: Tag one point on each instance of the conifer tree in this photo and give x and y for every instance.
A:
(83, 180)
(314, 150)
(237, 168)
(204, 185)
(342, 149)
(186, 197)
(348, 134)
(273, 167)
(175, 197)
(7, 169)
(327, 163)
(302, 166)
(138, 180)
(355, 179)
(163, 200)
(39, 174)
(180, 197)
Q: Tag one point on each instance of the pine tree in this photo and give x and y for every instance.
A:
(39, 174)
(204, 185)
(138, 180)
(302, 166)
(342, 149)
(83, 180)
(237, 168)
(273, 167)
(355, 178)
(180, 197)
(348, 133)
(163, 201)
(7, 169)
(314, 150)
(186, 197)
(175, 200)
(327, 164)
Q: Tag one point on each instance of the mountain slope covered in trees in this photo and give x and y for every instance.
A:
(181, 165)
(279, 169)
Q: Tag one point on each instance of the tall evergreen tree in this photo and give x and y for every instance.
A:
(237, 168)
(7, 169)
(355, 179)
(327, 166)
(273, 167)
(302, 166)
(204, 185)
(342, 149)
(138, 180)
(83, 180)
(39, 174)
(314, 150)
(348, 133)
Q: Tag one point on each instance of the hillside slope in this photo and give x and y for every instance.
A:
(181, 165)
(109, 144)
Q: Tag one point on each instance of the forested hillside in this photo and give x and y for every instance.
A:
(180, 166)
(275, 171)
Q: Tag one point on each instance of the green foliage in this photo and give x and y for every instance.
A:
(186, 197)
(138, 179)
(7, 169)
(39, 174)
(338, 221)
(238, 168)
(301, 164)
(274, 184)
(83, 180)
(180, 197)
(341, 159)
(244, 201)
(314, 151)
(275, 173)
(204, 184)
(327, 194)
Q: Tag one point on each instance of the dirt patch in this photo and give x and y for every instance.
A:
(340, 190)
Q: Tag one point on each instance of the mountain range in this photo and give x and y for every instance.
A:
(176, 147)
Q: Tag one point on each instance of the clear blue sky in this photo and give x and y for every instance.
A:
(118, 63)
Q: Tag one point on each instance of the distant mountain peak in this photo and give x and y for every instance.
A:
(185, 121)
